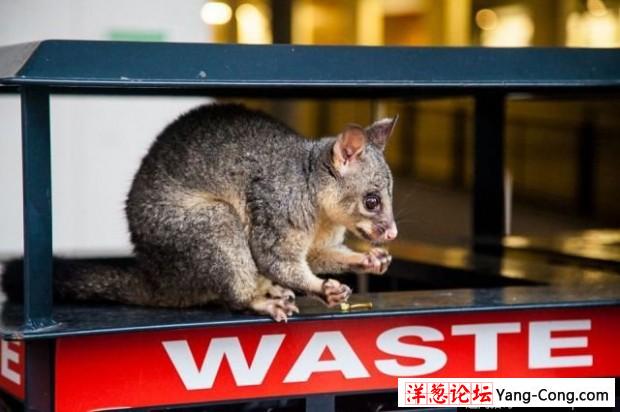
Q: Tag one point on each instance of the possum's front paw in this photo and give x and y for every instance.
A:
(335, 292)
(376, 261)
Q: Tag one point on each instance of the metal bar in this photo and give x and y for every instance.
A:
(459, 132)
(586, 165)
(281, 16)
(37, 184)
(320, 403)
(81, 320)
(488, 196)
(407, 142)
(140, 65)
(39, 384)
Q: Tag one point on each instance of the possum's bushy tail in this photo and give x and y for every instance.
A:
(93, 280)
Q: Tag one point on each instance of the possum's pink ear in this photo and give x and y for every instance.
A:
(348, 147)
(380, 131)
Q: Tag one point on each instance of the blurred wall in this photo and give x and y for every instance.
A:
(97, 142)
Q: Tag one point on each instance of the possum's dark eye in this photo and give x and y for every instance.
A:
(372, 202)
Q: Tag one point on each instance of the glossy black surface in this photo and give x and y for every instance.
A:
(76, 320)
(598, 246)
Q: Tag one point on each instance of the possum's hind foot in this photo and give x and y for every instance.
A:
(265, 287)
(279, 308)
(277, 291)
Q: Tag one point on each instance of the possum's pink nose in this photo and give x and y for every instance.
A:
(392, 232)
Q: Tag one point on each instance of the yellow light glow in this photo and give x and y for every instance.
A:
(252, 25)
(516, 241)
(597, 8)
(370, 22)
(302, 28)
(512, 26)
(247, 11)
(588, 30)
(486, 19)
(216, 13)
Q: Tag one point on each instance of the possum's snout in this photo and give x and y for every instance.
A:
(385, 231)
(379, 232)
(391, 233)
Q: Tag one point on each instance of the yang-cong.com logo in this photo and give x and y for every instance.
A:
(541, 392)
(448, 393)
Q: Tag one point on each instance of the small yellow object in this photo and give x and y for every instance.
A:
(347, 307)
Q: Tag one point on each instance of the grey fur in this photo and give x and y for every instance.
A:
(231, 204)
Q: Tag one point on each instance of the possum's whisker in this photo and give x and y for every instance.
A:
(400, 213)
(401, 221)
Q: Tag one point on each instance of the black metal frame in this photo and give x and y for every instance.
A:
(37, 177)
(489, 209)
(37, 70)
(36, 165)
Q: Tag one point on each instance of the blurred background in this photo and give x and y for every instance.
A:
(561, 156)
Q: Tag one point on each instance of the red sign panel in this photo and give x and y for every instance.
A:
(12, 368)
(272, 360)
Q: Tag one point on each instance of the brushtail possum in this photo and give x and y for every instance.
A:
(230, 204)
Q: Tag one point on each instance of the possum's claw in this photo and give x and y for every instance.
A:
(278, 308)
(335, 292)
(376, 261)
(277, 291)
